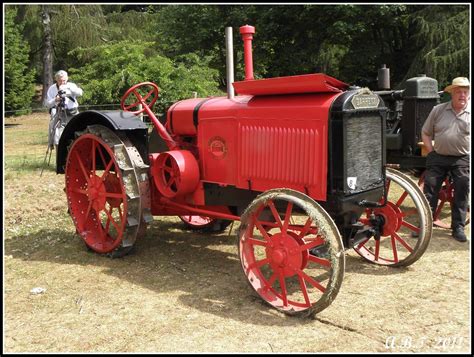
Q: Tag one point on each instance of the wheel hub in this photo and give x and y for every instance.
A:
(392, 217)
(284, 253)
(96, 193)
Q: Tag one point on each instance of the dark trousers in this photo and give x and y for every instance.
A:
(438, 167)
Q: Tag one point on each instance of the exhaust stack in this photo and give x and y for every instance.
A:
(247, 32)
(230, 62)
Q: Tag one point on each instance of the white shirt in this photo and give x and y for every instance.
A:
(72, 91)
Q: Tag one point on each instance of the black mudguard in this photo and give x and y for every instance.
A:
(129, 124)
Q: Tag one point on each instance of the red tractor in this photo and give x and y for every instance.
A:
(299, 161)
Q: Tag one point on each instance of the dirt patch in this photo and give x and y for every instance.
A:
(183, 291)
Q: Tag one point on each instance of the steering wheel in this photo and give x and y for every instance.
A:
(140, 99)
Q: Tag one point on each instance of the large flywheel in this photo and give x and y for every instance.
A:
(107, 190)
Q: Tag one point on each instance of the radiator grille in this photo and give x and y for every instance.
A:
(364, 157)
(280, 154)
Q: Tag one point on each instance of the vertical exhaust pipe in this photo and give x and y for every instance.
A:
(247, 32)
(230, 62)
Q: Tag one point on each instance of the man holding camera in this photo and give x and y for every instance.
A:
(61, 99)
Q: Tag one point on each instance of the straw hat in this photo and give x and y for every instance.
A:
(457, 82)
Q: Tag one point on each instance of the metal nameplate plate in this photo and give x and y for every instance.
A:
(365, 99)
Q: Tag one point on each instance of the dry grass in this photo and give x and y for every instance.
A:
(185, 292)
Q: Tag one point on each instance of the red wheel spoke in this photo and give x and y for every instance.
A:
(114, 195)
(289, 208)
(89, 206)
(254, 241)
(402, 242)
(275, 213)
(309, 279)
(377, 249)
(306, 228)
(284, 295)
(361, 244)
(320, 261)
(79, 190)
(409, 212)
(93, 157)
(261, 229)
(411, 226)
(271, 281)
(111, 219)
(402, 198)
(313, 243)
(107, 170)
(258, 264)
(394, 249)
(304, 290)
(81, 164)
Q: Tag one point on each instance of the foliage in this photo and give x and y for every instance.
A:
(347, 41)
(442, 36)
(19, 85)
(116, 67)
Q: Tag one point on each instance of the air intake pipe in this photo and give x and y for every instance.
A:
(247, 32)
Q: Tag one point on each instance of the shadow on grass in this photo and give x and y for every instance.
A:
(168, 259)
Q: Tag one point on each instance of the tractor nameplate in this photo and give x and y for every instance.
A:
(365, 99)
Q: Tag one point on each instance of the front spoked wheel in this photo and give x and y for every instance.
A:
(279, 233)
(404, 224)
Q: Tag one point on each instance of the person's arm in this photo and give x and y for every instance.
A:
(427, 131)
(427, 142)
(73, 90)
(50, 100)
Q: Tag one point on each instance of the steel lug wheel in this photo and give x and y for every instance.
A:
(107, 190)
(279, 231)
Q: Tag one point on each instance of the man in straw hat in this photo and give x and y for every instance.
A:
(448, 124)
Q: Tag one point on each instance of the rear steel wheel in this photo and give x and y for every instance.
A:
(107, 190)
(277, 232)
(405, 222)
(205, 224)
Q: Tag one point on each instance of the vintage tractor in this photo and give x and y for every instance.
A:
(407, 111)
(300, 161)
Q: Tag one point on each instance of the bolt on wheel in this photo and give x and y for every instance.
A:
(406, 224)
(103, 191)
(278, 233)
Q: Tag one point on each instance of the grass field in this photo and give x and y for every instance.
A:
(185, 292)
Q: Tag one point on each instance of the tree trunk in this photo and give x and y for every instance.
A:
(47, 52)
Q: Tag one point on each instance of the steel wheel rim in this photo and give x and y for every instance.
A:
(96, 195)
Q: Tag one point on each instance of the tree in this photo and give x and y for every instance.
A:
(114, 70)
(19, 80)
(441, 34)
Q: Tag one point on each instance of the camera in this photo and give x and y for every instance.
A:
(62, 93)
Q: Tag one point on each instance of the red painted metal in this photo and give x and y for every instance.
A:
(306, 83)
(96, 198)
(147, 108)
(247, 36)
(175, 172)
